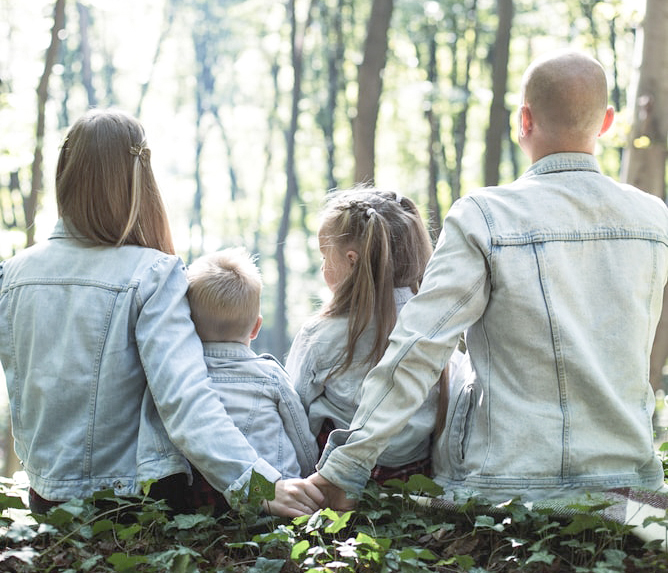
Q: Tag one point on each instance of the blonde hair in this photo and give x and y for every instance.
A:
(224, 292)
(393, 247)
(105, 188)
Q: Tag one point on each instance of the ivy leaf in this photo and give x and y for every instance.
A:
(264, 565)
(299, 549)
(581, 522)
(422, 484)
(124, 562)
(25, 554)
(259, 489)
(10, 502)
(339, 523)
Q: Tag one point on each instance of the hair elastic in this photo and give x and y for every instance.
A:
(398, 197)
(370, 211)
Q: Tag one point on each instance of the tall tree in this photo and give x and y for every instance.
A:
(297, 35)
(498, 114)
(370, 86)
(31, 202)
(644, 161)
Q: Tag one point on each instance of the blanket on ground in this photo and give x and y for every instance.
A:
(643, 510)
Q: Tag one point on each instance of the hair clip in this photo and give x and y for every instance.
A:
(370, 211)
(398, 197)
(138, 150)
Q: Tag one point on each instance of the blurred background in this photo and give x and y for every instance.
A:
(256, 109)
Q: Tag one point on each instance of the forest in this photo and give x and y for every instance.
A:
(254, 111)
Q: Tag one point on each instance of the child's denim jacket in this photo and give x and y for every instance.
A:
(316, 350)
(259, 397)
(106, 377)
(558, 279)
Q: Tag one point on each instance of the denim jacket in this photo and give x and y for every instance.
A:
(317, 349)
(259, 397)
(106, 376)
(559, 279)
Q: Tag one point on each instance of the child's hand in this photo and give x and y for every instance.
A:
(335, 497)
(294, 497)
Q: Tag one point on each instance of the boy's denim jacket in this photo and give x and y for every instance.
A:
(559, 279)
(317, 349)
(259, 397)
(106, 376)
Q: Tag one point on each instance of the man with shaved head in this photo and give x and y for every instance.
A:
(557, 281)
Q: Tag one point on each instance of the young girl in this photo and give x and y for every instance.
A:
(375, 248)
(107, 382)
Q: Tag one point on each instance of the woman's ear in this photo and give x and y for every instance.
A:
(352, 257)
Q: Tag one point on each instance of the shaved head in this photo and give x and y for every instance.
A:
(567, 94)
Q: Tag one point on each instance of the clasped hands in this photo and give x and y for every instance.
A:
(296, 497)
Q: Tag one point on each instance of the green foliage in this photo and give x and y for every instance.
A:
(392, 530)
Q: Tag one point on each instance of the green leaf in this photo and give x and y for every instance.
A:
(123, 562)
(299, 549)
(422, 484)
(146, 486)
(192, 521)
(259, 489)
(10, 502)
(339, 523)
(541, 557)
(128, 532)
(581, 522)
(263, 565)
(102, 525)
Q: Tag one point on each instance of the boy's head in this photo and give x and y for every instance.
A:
(224, 292)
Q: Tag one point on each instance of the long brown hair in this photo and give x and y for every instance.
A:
(105, 186)
(393, 247)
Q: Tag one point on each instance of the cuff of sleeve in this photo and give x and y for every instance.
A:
(341, 470)
(240, 486)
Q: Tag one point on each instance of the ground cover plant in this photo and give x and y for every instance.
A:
(389, 531)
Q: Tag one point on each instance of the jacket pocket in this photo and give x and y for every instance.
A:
(459, 428)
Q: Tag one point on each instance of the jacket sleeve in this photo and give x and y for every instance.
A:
(301, 367)
(453, 295)
(172, 356)
(296, 425)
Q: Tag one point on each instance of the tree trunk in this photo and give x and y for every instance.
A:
(644, 161)
(498, 115)
(292, 189)
(370, 85)
(31, 202)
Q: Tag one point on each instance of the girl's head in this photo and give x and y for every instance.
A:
(105, 186)
(372, 241)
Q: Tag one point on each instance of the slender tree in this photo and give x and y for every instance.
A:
(644, 161)
(498, 113)
(297, 34)
(31, 202)
(370, 86)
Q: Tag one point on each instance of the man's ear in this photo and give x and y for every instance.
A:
(607, 120)
(526, 120)
(256, 328)
(352, 257)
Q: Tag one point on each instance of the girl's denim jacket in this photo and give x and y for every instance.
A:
(559, 279)
(259, 397)
(316, 350)
(106, 376)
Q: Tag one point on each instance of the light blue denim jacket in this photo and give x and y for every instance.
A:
(259, 397)
(558, 278)
(317, 349)
(106, 376)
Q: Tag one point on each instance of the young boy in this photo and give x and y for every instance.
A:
(224, 292)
